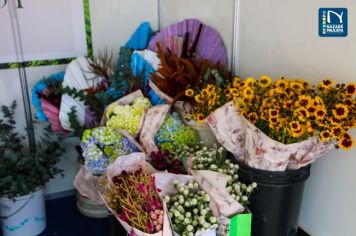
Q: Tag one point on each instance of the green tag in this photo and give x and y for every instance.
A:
(240, 225)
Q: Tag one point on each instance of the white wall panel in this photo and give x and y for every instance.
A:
(280, 38)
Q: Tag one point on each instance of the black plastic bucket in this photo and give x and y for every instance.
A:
(275, 205)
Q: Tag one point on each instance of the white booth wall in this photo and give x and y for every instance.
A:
(280, 38)
(277, 38)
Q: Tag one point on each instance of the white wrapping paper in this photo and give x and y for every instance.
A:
(257, 150)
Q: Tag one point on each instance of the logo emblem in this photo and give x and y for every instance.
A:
(332, 22)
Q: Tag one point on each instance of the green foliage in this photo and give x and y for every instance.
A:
(22, 172)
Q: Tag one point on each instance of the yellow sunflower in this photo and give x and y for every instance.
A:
(296, 85)
(320, 113)
(249, 82)
(199, 98)
(302, 114)
(326, 84)
(273, 120)
(340, 111)
(253, 117)
(295, 126)
(304, 101)
(309, 127)
(297, 133)
(265, 81)
(282, 84)
(189, 92)
(273, 113)
(346, 142)
(236, 82)
(200, 118)
(248, 93)
(350, 89)
(325, 135)
(337, 131)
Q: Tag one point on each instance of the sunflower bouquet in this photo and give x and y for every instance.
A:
(290, 122)
(291, 111)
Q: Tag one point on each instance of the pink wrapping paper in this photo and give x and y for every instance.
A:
(251, 146)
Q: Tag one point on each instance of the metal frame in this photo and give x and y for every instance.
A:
(22, 74)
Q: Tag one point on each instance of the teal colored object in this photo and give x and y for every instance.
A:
(240, 225)
(140, 67)
(139, 40)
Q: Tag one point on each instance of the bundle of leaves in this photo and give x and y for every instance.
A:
(21, 172)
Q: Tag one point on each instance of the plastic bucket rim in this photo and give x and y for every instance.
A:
(36, 192)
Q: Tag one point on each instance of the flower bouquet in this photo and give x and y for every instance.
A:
(287, 124)
(164, 160)
(164, 131)
(190, 208)
(128, 113)
(101, 146)
(130, 193)
(46, 98)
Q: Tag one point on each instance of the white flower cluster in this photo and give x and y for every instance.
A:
(189, 210)
(214, 159)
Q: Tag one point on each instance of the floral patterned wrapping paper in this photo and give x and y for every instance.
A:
(131, 163)
(87, 184)
(251, 146)
(126, 100)
(153, 122)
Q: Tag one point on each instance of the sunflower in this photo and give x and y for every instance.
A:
(302, 114)
(350, 89)
(249, 82)
(189, 92)
(297, 133)
(325, 135)
(346, 142)
(273, 120)
(337, 131)
(210, 89)
(248, 93)
(236, 82)
(200, 118)
(273, 113)
(296, 85)
(265, 81)
(199, 98)
(295, 126)
(320, 113)
(326, 84)
(310, 128)
(281, 84)
(253, 117)
(340, 111)
(304, 101)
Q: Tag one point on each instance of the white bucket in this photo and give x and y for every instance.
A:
(26, 216)
(203, 130)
